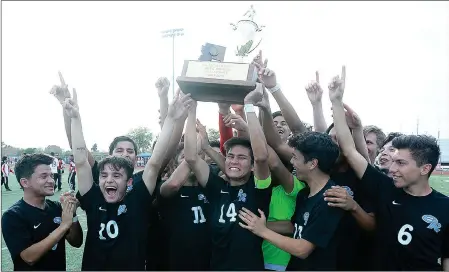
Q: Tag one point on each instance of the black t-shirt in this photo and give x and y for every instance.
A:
(186, 218)
(24, 225)
(318, 223)
(117, 232)
(233, 247)
(355, 252)
(413, 231)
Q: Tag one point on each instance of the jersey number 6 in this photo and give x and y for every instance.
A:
(405, 237)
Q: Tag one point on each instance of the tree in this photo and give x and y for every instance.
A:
(94, 148)
(213, 134)
(52, 148)
(3, 144)
(143, 138)
(30, 150)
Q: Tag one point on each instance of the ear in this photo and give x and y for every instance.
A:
(24, 183)
(425, 169)
(313, 164)
(130, 182)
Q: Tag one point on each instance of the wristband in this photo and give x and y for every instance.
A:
(75, 219)
(274, 89)
(249, 108)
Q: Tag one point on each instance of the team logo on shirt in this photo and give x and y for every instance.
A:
(202, 197)
(55, 246)
(241, 196)
(350, 192)
(57, 220)
(121, 209)
(433, 222)
(306, 217)
(129, 188)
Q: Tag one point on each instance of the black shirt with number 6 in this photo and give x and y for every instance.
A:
(413, 231)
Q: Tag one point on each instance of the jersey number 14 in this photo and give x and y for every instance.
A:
(231, 214)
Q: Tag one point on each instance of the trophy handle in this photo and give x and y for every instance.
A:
(254, 47)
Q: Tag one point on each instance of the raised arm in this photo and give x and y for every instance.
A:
(217, 157)
(268, 78)
(162, 85)
(198, 165)
(354, 123)
(177, 179)
(61, 93)
(315, 93)
(355, 160)
(273, 139)
(80, 151)
(175, 113)
(256, 135)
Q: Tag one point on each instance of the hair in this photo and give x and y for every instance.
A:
(26, 165)
(214, 144)
(117, 163)
(4, 158)
(390, 137)
(52, 153)
(423, 148)
(276, 114)
(121, 139)
(229, 144)
(380, 135)
(316, 145)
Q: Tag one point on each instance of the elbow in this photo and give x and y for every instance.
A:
(301, 254)
(170, 187)
(191, 160)
(29, 260)
(261, 158)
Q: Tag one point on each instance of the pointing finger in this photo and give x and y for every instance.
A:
(265, 63)
(343, 73)
(75, 96)
(317, 77)
(61, 79)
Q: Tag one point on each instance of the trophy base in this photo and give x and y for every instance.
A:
(216, 90)
(220, 82)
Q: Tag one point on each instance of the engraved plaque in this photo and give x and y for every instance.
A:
(224, 82)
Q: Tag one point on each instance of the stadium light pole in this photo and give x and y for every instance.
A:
(173, 33)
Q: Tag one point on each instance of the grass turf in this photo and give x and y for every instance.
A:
(74, 255)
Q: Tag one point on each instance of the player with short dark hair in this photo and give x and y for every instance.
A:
(315, 238)
(72, 173)
(118, 215)
(35, 228)
(234, 248)
(411, 218)
(384, 159)
(56, 171)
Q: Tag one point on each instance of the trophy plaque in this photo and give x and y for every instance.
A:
(209, 79)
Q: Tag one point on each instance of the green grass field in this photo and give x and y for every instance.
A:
(74, 255)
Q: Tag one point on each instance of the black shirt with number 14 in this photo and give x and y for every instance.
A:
(413, 231)
(233, 247)
(117, 232)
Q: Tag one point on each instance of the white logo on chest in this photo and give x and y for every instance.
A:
(121, 209)
(306, 218)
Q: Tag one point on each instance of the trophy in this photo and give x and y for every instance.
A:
(209, 79)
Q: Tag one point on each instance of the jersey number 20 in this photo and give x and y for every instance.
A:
(230, 214)
(111, 230)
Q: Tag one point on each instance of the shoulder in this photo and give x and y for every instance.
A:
(17, 210)
(53, 204)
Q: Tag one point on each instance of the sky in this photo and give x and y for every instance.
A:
(396, 56)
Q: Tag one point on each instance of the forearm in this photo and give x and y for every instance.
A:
(190, 140)
(285, 243)
(344, 135)
(365, 220)
(163, 107)
(174, 142)
(282, 227)
(318, 117)
(68, 127)
(75, 235)
(257, 138)
(176, 180)
(272, 136)
(289, 113)
(360, 143)
(78, 143)
(33, 253)
(218, 158)
(445, 264)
